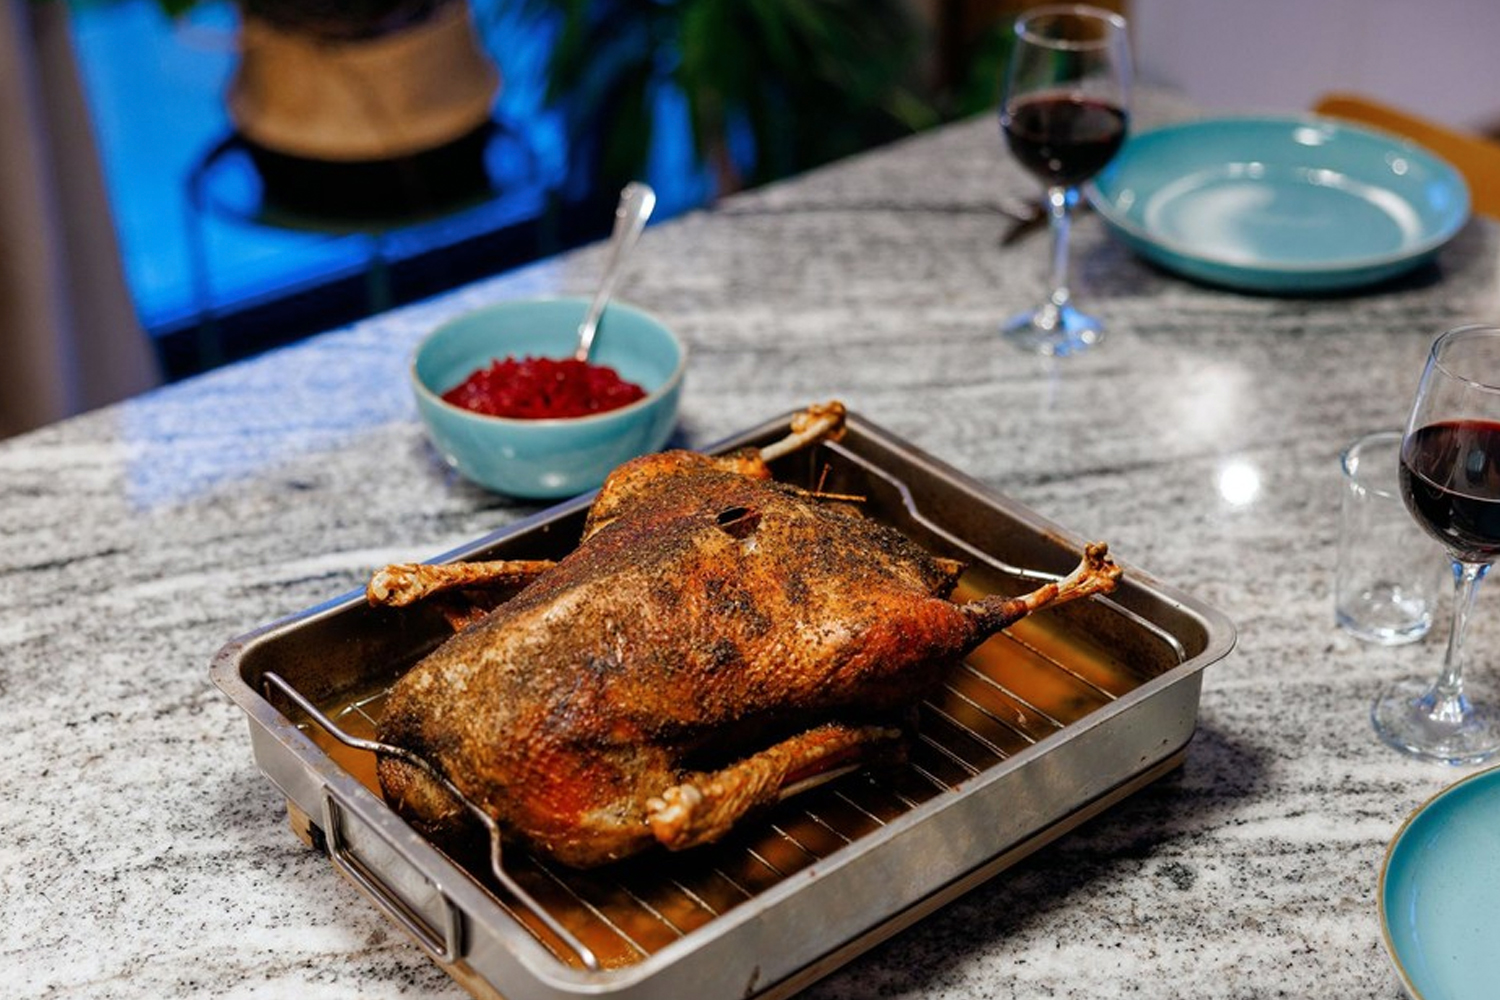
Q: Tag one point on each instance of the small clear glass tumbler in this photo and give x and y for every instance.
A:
(1391, 574)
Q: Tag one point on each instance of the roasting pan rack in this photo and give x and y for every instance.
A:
(504, 923)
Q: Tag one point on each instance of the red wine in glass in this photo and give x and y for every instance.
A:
(1063, 114)
(1450, 478)
(1062, 138)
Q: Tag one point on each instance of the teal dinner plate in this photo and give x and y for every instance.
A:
(1440, 893)
(1280, 204)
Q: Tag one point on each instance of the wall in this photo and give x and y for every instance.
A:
(1439, 58)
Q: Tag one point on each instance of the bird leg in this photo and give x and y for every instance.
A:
(703, 808)
(1096, 574)
(402, 584)
(819, 422)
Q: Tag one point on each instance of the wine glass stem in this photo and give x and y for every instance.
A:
(1448, 693)
(1060, 211)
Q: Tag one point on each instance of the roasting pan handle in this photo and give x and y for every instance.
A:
(441, 943)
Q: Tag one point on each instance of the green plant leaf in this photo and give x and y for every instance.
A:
(777, 85)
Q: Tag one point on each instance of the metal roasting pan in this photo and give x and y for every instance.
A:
(1057, 719)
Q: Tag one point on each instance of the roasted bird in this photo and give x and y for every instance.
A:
(717, 641)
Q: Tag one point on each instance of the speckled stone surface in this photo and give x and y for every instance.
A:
(142, 854)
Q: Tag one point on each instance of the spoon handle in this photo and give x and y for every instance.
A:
(636, 203)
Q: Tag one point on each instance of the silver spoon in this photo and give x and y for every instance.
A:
(636, 203)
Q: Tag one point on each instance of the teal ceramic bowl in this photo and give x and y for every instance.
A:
(553, 458)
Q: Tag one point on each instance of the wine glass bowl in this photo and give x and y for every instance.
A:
(1450, 481)
(1064, 112)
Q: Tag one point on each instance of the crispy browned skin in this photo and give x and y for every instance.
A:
(715, 638)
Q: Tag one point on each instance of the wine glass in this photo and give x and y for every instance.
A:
(1064, 111)
(1450, 480)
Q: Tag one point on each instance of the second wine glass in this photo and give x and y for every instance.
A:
(1064, 111)
(1450, 480)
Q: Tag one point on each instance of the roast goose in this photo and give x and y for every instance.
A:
(716, 641)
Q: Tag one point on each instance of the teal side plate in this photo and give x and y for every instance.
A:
(1440, 894)
(1280, 204)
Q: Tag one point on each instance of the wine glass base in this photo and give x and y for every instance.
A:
(1053, 330)
(1403, 718)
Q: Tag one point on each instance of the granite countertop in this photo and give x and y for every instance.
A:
(143, 854)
